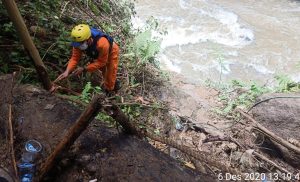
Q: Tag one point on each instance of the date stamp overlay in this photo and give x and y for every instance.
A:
(265, 177)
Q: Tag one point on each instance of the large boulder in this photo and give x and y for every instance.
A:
(280, 113)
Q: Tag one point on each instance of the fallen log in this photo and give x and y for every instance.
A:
(73, 133)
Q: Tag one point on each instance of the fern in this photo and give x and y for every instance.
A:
(141, 39)
(145, 47)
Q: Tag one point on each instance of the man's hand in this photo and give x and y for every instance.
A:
(78, 71)
(62, 76)
(54, 88)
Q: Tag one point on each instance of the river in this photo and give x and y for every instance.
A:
(223, 40)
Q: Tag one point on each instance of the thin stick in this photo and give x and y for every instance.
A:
(71, 99)
(270, 134)
(11, 133)
(271, 162)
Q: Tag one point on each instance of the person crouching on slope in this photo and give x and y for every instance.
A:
(98, 46)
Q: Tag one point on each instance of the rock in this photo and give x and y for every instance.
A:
(65, 162)
(174, 153)
(247, 160)
(49, 106)
(84, 159)
(229, 147)
(244, 160)
(91, 168)
(282, 117)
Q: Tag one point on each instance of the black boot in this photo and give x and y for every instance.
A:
(117, 85)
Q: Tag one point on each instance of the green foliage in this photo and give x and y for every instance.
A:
(298, 65)
(145, 48)
(56, 18)
(107, 119)
(237, 94)
(243, 95)
(88, 92)
(286, 84)
(52, 44)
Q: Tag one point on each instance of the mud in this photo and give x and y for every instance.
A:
(100, 153)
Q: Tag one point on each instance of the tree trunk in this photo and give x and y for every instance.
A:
(22, 30)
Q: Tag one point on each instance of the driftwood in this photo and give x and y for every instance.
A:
(73, 133)
(270, 134)
(22, 30)
(262, 157)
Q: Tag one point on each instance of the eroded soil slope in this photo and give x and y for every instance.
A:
(100, 153)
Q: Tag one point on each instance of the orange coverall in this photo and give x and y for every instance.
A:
(107, 62)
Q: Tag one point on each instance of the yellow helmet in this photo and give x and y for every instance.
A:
(81, 33)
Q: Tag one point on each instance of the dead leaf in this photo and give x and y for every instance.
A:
(189, 164)
(49, 106)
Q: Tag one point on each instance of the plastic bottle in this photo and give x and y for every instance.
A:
(27, 166)
(26, 171)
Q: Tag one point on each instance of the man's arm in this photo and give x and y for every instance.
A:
(76, 55)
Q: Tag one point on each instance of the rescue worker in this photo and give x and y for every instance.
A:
(98, 46)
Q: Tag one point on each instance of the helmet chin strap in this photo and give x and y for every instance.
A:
(90, 41)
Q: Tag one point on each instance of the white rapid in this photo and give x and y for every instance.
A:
(225, 40)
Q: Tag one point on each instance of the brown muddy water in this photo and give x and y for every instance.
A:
(224, 40)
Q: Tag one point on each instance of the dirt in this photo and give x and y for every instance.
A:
(5, 99)
(229, 139)
(104, 154)
(100, 153)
